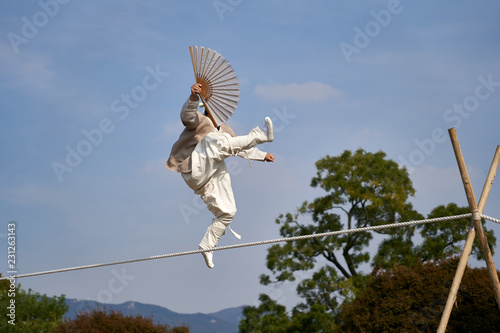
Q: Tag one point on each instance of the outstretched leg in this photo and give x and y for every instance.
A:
(255, 137)
(211, 151)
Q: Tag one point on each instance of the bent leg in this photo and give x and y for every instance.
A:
(217, 194)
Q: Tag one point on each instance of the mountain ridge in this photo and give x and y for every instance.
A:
(223, 321)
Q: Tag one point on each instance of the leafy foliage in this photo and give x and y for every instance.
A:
(446, 238)
(33, 312)
(412, 299)
(315, 319)
(269, 317)
(368, 190)
(441, 240)
(100, 320)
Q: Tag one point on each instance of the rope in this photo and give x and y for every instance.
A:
(227, 247)
(492, 219)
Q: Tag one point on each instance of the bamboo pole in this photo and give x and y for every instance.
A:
(476, 219)
(489, 181)
(472, 233)
(468, 244)
(452, 296)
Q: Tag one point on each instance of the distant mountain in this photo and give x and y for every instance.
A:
(224, 321)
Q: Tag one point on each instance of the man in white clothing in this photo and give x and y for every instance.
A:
(199, 156)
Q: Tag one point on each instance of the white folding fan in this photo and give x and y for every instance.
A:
(220, 90)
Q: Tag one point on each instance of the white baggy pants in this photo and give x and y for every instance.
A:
(210, 179)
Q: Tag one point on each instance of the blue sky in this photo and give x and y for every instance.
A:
(107, 79)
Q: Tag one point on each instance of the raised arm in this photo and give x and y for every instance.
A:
(195, 90)
(188, 113)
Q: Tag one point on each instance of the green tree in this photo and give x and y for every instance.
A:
(446, 239)
(99, 320)
(316, 319)
(441, 240)
(272, 317)
(29, 311)
(412, 299)
(268, 317)
(362, 189)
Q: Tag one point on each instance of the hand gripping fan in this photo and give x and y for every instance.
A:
(220, 90)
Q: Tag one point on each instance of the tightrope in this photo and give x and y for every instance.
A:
(486, 217)
(271, 241)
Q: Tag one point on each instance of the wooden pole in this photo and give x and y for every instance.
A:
(477, 211)
(452, 296)
(489, 180)
(468, 245)
(476, 218)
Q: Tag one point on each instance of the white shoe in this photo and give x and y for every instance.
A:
(268, 129)
(208, 256)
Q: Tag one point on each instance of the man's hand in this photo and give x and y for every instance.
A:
(269, 158)
(195, 90)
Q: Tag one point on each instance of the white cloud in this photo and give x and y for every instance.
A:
(306, 92)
